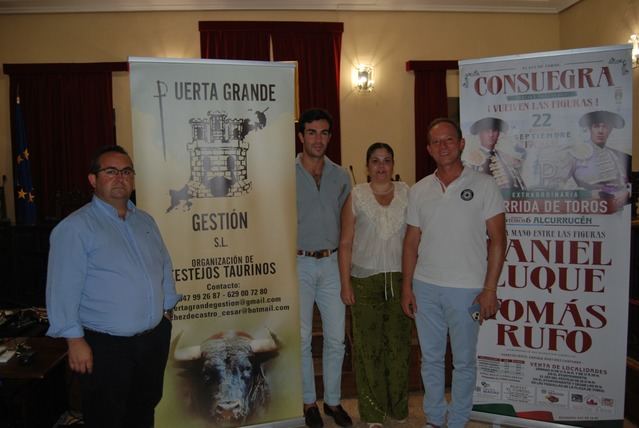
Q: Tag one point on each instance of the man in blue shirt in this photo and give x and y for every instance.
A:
(322, 189)
(110, 292)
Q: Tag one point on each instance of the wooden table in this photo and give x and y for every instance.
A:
(34, 395)
(49, 352)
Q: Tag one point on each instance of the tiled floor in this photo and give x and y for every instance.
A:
(416, 417)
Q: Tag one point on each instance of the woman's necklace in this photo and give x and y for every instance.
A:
(383, 192)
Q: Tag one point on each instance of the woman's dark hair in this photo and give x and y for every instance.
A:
(376, 146)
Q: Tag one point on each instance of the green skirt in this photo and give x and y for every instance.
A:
(381, 344)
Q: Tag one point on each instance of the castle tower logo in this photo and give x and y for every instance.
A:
(218, 158)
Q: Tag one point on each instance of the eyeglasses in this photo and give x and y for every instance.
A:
(114, 172)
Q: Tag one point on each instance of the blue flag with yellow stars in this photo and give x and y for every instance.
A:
(25, 205)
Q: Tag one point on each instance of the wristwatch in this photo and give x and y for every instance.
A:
(169, 313)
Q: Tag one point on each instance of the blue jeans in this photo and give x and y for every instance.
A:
(319, 283)
(442, 310)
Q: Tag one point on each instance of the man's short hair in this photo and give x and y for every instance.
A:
(448, 120)
(94, 166)
(311, 115)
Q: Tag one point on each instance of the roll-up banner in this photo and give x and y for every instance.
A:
(555, 131)
(214, 163)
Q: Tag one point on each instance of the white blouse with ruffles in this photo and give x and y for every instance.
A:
(379, 231)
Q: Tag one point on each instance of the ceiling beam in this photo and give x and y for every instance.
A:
(487, 6)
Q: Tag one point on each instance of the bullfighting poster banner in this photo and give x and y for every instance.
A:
(215, 167)
(554, 129)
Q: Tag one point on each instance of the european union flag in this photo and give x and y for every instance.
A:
(25, 207)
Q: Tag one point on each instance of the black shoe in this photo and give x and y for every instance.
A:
(312, 418)
(339, 414)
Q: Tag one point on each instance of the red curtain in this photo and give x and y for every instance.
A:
(316, 46)
(431, 102)
(234, 40)
(68, 113)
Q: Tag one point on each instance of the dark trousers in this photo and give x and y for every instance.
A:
(128, 374)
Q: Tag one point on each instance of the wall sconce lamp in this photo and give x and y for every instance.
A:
(634, 40)
(364, 80)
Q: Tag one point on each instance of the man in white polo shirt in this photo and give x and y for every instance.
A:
(454, 251)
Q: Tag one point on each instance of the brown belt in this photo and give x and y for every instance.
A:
(319, 254)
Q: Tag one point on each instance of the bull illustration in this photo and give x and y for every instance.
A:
(224, 377)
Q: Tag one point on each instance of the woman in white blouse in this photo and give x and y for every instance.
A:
(370, 257)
